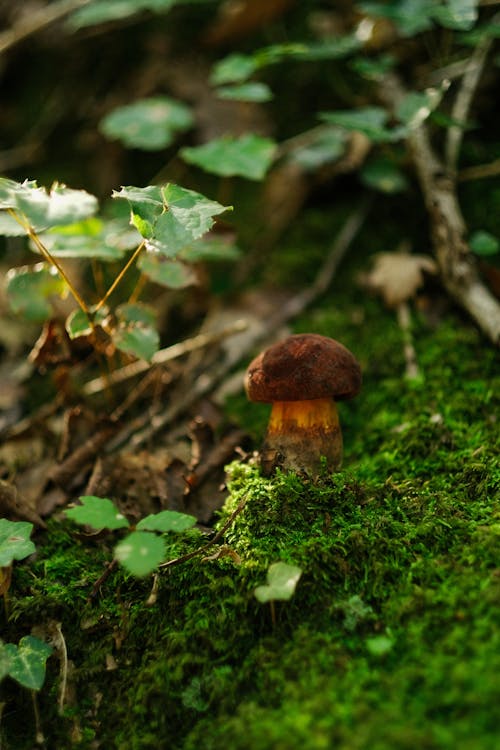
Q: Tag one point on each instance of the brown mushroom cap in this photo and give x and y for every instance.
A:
(303, 367)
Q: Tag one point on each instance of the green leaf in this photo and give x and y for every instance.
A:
(15, 542)
(379, 645)
(282, 580)
(409, 16)
(372, 121)
(136, 332)
(456, 14)
(483, 243)
(215, 247)
(148, 124)
(42, 209)
(248, 156)
(373, 68)
(246, 92)
(167, 520)
(27, 661)
(234, 68)
(416, 107)
(78, 324)
(5, 659)
(327, 147)
(91, 238)
(170, 217)
(382, 174)
(98, 512)
(170, 273)
(141, 552)
(30, 288)
(9, 227)
(103, 11)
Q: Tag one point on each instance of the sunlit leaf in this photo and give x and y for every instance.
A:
(15, 542)
(141, 552)
(247, 156)
(167, 520)
(173, 274)
(282, 580)
(42, 209)
(9, 227)
(148, 124)
(27, 661)
(98, 512)
(379, 645)
(170, 217)
(30, 288)
(78, 323)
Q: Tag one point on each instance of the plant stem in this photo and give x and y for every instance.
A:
(120, 276)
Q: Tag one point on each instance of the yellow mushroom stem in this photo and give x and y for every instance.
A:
(300, 433)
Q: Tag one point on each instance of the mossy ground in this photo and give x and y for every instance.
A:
(392, 638)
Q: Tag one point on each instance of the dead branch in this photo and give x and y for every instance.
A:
(33, 21)
(456, 262)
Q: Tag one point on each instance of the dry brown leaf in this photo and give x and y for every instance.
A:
(397, 276)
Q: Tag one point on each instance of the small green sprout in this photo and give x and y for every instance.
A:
(282, 580)
(140, 552)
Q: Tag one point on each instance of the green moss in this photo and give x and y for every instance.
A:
(391, 640)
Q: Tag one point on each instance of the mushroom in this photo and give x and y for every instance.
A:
(303, 376)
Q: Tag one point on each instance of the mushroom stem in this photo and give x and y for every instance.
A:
(299, 433)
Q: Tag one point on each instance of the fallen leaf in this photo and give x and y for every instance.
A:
(397, 276)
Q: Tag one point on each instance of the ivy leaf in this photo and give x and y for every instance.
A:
(140, 552)
(98, 512)
(42, 209)
(483, 243)
(170, 273)
(167, 520)
(27, 661)
(282, 580)
(15, 542)
(149, 124)
(170, 217)
(30, 288)
(248, 156)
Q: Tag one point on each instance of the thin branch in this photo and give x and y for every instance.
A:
(463, 101)
(120, 276)
(480, 171)
(457, 264)
(33, 21)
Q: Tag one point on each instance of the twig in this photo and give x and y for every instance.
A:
(110, 567)
(33, 21)
(404, 321)
(214, 540)
(457, 264)
(481, 170)
(162, 356)
(463, 100)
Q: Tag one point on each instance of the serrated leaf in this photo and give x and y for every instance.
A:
(15, 542)
(42, 209)
(248, 156)
(483, 243)
(167, 520)
(282, 580)
(149, 124)
(30, 288)
(98, 512)
(246, 92)
(170, 217)
(27, 661)
(9, 227)
(170, 273)
(141, 552)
